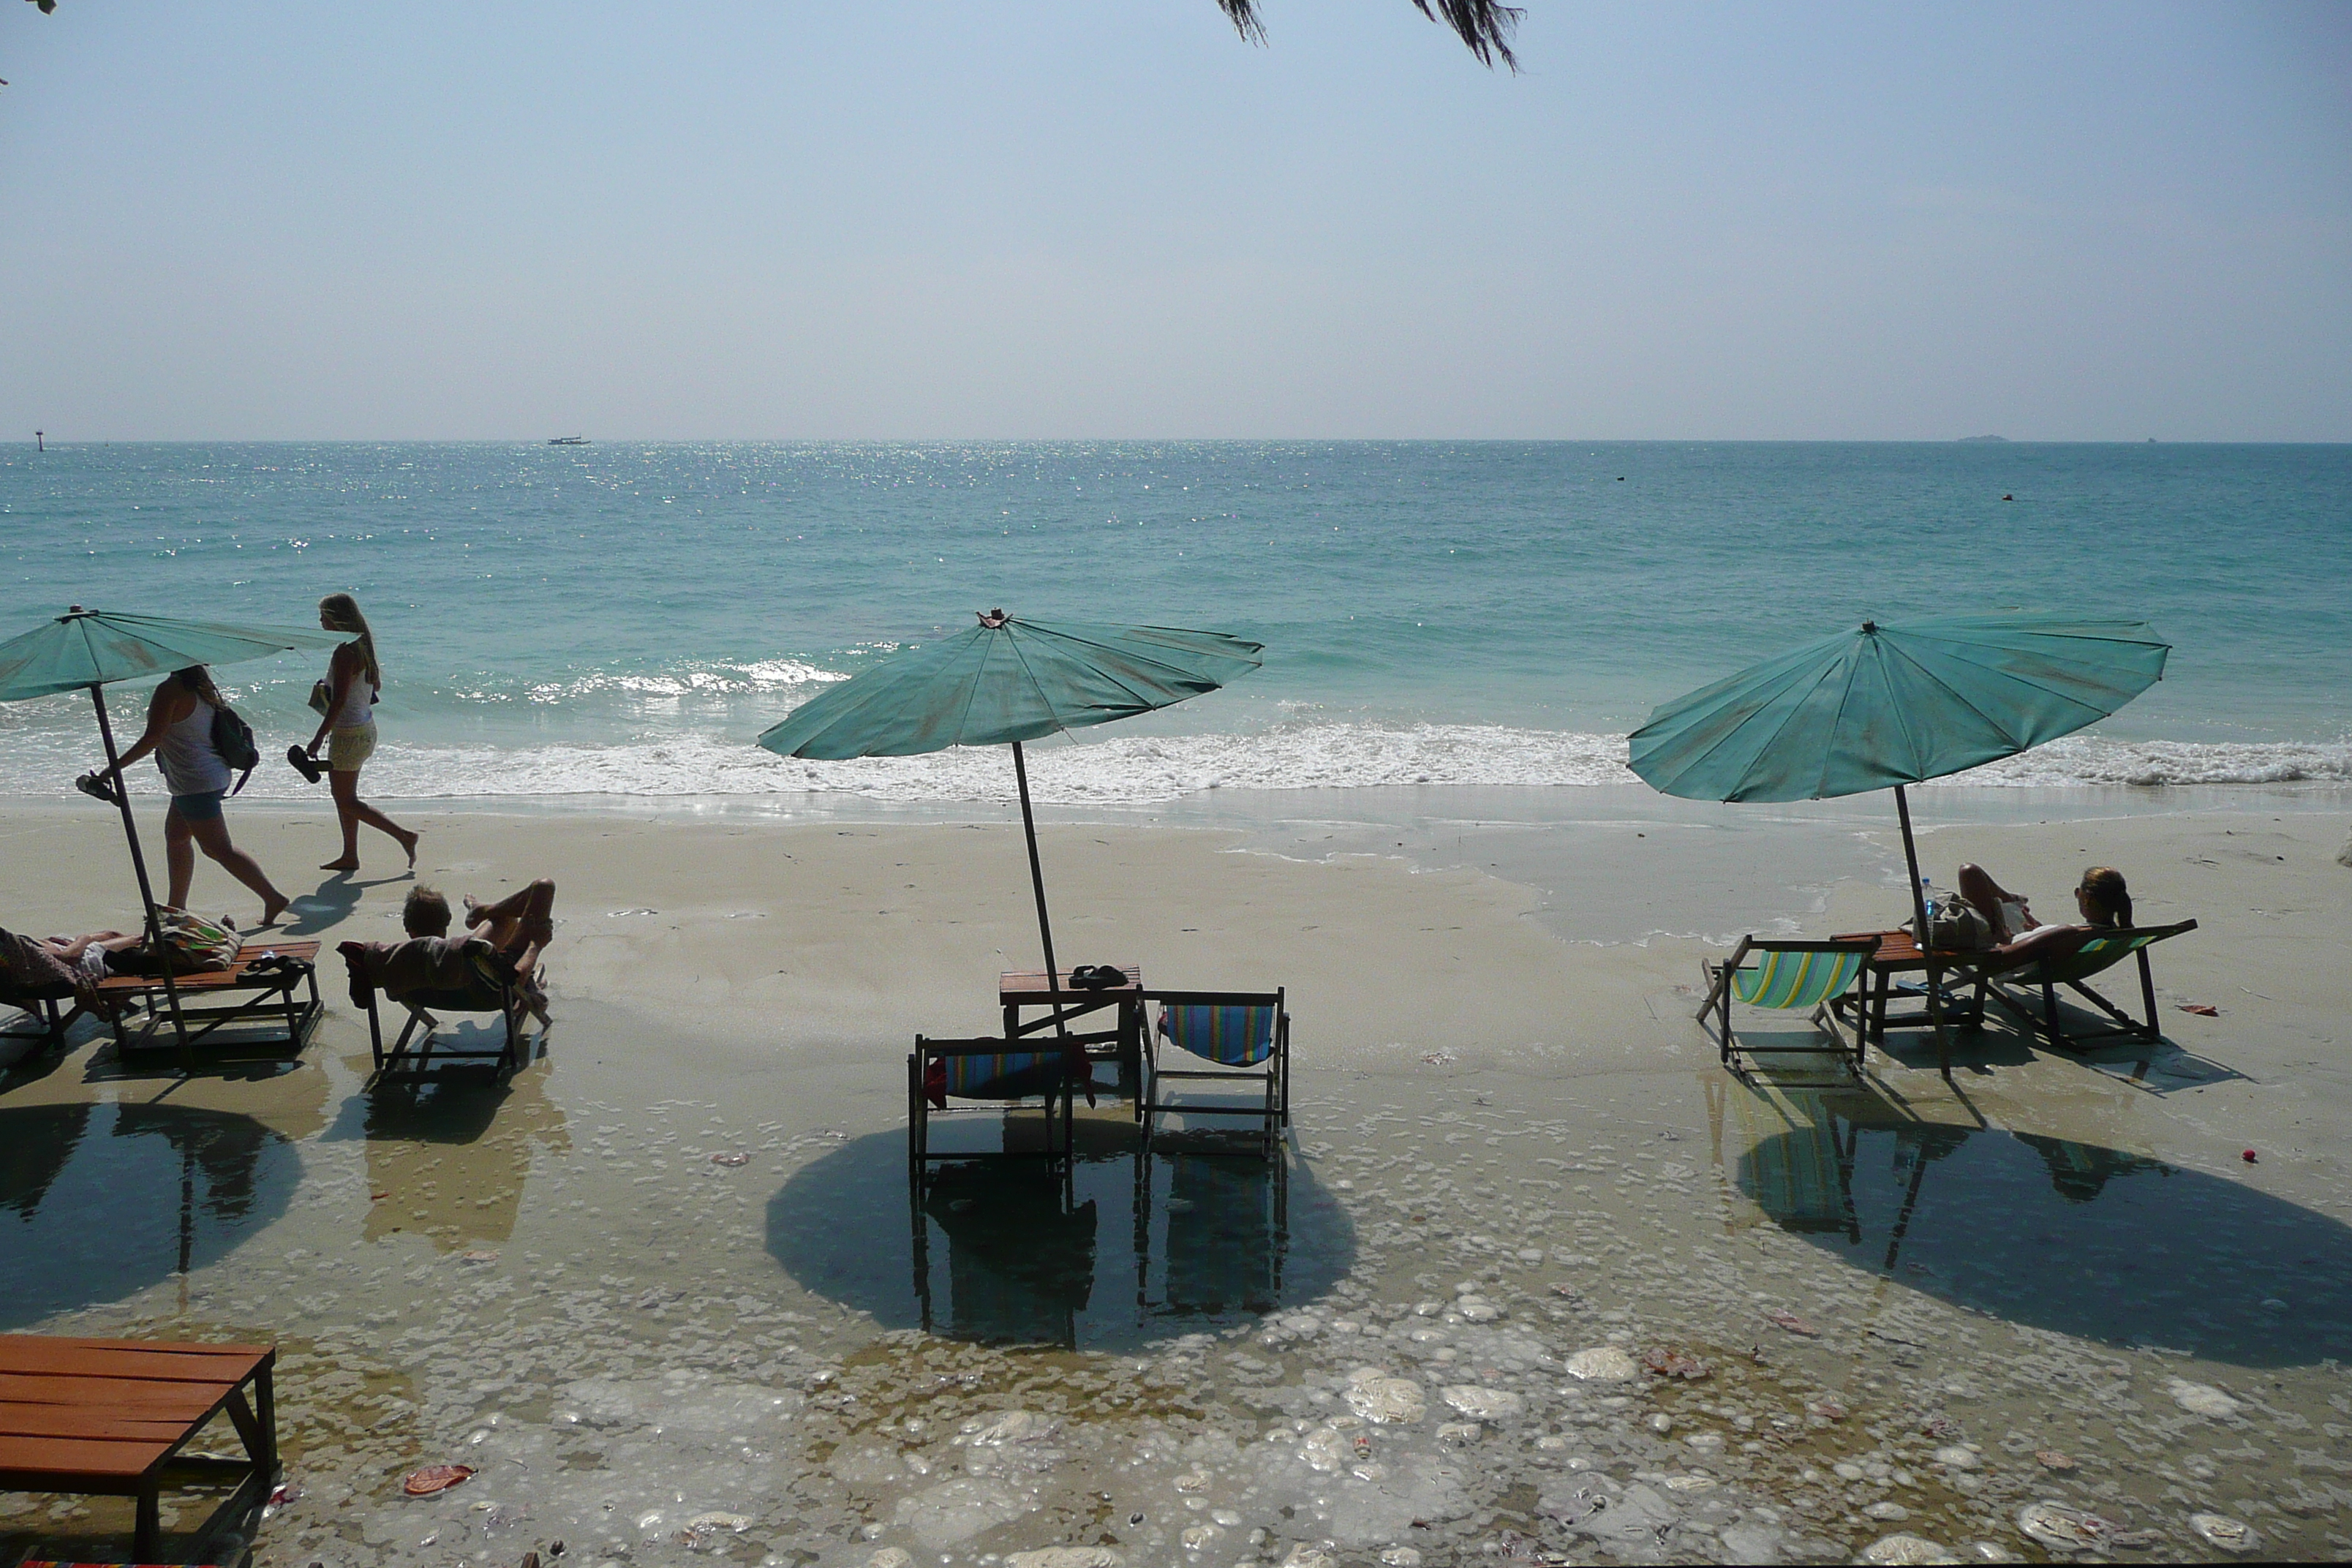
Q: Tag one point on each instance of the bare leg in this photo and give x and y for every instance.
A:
(1978, 887)
(520, 925)
(352, 811)
(212, 837)
(179, 857)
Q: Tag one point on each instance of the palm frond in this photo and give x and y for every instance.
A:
(1486, 26)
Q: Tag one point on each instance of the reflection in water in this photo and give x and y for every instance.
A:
(1013, 1251)
(2053, 1233)
(100, 1201)
(448, 1159)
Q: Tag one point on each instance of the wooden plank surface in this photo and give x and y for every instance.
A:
(43, 1355)
(1029, 983)
(231, 978)
(145, 1397)
(111, 1426)
(70, 1459)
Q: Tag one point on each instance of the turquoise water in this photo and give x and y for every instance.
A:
(625, 619)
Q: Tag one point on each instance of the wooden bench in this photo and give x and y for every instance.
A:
(109, 1418)
(216, 999)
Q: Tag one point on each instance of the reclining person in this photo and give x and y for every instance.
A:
(516, 927)
(2017, 938)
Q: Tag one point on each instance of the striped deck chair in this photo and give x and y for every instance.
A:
(1787, 976)
(987, 1069)
(2100, 952)
(1245, 1038)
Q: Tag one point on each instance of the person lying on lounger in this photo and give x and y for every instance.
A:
(89, 953)
(520, 926)
(2017, 938)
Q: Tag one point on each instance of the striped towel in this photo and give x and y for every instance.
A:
(1230, 1037)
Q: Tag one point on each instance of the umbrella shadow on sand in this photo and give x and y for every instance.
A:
(1120, 1250)
(2057, 1234)
(99, 1201)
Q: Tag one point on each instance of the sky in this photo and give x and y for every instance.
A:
(1114, 218)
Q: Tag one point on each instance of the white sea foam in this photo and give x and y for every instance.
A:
(1106, 768)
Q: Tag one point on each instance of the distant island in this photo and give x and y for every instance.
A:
(1984, 440)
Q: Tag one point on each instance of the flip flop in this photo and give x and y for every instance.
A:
(97, 788)
(310, 770)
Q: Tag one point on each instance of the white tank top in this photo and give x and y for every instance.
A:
(185, 754)
(358, 702)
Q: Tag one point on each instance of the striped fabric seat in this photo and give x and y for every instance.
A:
(1009, 1075)
(1230, 1037)
(1789, 980)
(2099, 953)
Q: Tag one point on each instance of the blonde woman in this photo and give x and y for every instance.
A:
(347, 731)
(180, 733)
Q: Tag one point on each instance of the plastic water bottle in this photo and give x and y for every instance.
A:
(1927, 906)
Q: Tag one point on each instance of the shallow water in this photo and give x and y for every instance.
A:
(573, 1285)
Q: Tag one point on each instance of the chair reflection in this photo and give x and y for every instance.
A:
(1025, 1262)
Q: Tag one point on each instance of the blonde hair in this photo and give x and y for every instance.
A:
(341, 613)
(2104, 885)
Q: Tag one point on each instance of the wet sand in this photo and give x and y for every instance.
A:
(1512, 1148)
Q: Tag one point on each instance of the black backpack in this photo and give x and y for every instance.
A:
(233, 739)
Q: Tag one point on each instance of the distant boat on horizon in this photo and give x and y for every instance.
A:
(567, 440)
(1984, 440)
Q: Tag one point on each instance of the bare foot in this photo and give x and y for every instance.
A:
(350, 864)
(408, 841)
(476, 911)
(272, 910)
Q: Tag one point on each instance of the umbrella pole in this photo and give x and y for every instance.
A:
(1919, 915)
(1036, 871)
(139, 866)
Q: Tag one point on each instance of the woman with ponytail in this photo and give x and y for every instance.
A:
(347, 729)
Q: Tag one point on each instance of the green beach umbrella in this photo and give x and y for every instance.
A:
(1885, 706)
(1009, 680)
(89, 650)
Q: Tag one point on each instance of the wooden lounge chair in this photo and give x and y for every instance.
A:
(109, 1418)
(1787, 976)
(1245, 1034)
(44, 1013)
(2100, 952)
(987, 1069)
(265, 1002)
(491, 987)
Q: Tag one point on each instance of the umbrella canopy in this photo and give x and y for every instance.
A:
(83, 649)
(1008, 679)
(86, 649)
(1887, 705)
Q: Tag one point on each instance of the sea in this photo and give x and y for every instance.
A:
(617, 622)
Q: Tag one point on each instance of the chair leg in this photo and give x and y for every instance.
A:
(2147, 992)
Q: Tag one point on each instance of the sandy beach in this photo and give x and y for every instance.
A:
(2051, 1279)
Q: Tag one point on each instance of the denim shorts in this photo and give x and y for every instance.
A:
(205, 807)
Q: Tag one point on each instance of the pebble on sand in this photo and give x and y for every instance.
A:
(1601, 1364)
(1483, 1404)
(2052, 1460)
(1892, 1549)
(2201, 1398)
(2064, 1529)
(891, 1557)
(1390, 1401)
(2220, 1530)
(1064, 1557)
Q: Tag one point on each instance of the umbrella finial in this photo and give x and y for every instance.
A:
(73, 609)
(992, 619)
(1870, 628)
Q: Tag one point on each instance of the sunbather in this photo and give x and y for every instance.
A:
(2100, 897)
(520, 925)
(87, 954)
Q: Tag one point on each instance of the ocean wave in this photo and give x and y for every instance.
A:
(1111, 768)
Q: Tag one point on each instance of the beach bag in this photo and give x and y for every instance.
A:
(192, 943)
(233, 739)
(1954, 925)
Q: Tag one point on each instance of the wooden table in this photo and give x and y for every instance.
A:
(1899, 953)
(1020, 991)
(109, 1418)
(215, 999)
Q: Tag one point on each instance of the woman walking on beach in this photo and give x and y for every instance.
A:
(180, 733)
(347, 731)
